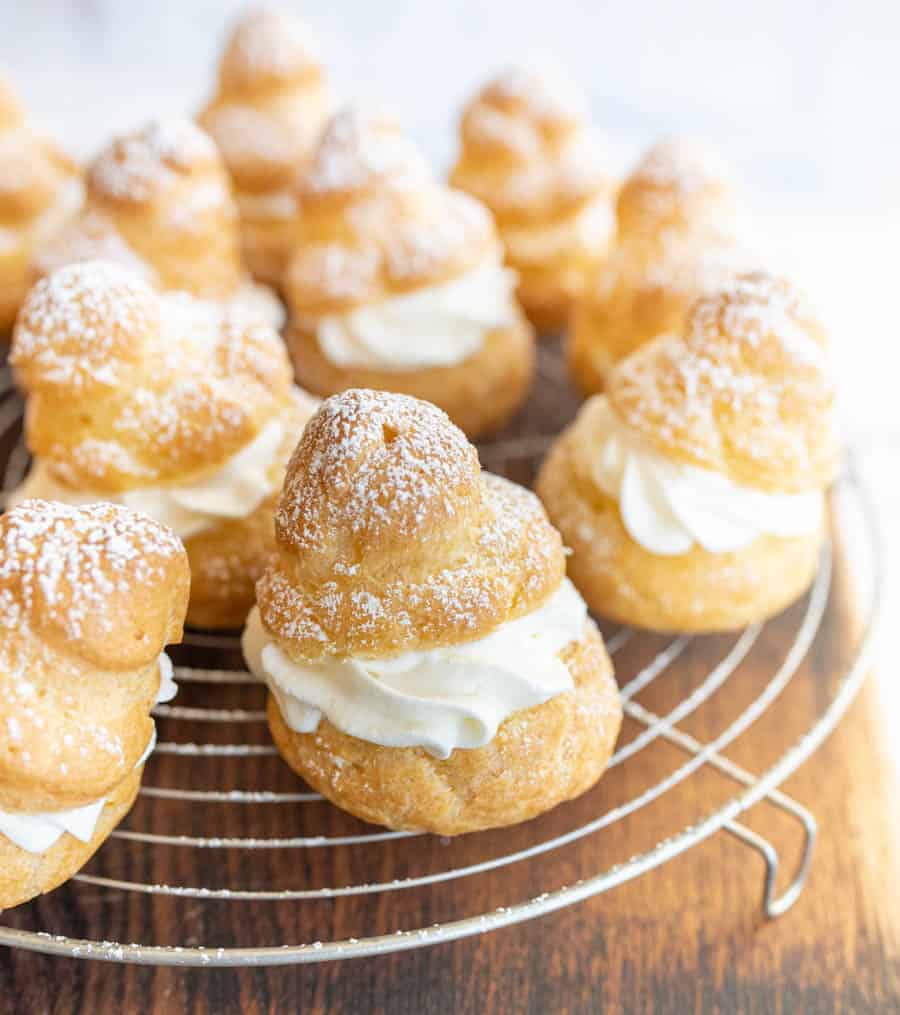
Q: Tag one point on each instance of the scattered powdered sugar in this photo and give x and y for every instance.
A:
(78, 326)
(682, 180)
(136, 167)
(357, 148)
(683, 166)
(66, 562)
(544, 91)
(755, 308)
(266, 45)
(342, 273)
(388, 460)
(243, 132)
(457, 225)
(399, 474)
(749, 382)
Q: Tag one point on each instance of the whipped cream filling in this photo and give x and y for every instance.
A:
(590, 230)
(36, 833)
(437, 326)
(439, 699)
(668, 507)
(234, 491)
(258, 304)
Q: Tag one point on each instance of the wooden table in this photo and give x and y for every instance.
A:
(689, 936)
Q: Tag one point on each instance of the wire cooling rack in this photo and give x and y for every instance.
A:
(218, 894)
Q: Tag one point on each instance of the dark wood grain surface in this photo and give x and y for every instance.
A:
(687, 937)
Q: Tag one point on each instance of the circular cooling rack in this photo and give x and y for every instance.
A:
(227, 859)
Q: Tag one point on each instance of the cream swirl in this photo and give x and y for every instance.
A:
(257, 304)
(233, 491)
(436, 326)
(589, 230)
(36, 833)
(668, 507)
(439, 699)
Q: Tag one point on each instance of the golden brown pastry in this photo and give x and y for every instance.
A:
(89, 597)
(528, 155)
(692, 493)
(40, 188)
(164, 403)
(271, 103)
(398, 283)
(677, 218)
(430, 666)
(159, 202)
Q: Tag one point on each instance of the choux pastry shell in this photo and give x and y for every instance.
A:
(527, 154)
(692, 493)
(398, 282)
(397, 556)
(89, 597)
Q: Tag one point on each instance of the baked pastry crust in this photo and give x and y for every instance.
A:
(271, 102)
(89, 597)
(391, 539)
(746, 393)
(677, 227)
(377, 226)
(129, 389)
(39, 189)
(526, 153)
(159, 203)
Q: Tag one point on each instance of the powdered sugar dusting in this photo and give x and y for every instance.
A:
(78, 325)
(389, 461)
(268, 45)
(403, 484)
(357, 148)
(678, 179)
(66, 562)
(534, 120)
(138, 385)
(136, 167)
(747, 390)
(544, 91)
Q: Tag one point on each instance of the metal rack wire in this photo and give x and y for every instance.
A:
(637, 673)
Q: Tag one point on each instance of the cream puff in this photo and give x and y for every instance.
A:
(692, 494)
(399, 283)
(678, 229)
(89, 597)
(159, 202)
(430, 666)
(40, 189)
(526, 152)
(271, 103)
(163, 403)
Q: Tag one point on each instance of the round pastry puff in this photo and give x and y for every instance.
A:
(697, 591)
(539, 757)
(528, 154)
(677, 217)
(391, 539)
(24, 875)
(744, 392)
(91, 596)
(480, 394)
